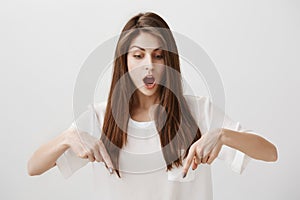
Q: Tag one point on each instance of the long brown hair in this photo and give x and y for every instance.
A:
(178, 119)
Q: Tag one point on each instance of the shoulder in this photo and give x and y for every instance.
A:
(195, 97)
(197, 100)
(100, 107)
(198, 105)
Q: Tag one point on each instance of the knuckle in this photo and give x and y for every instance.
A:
(193, 147)
(213, 155)
(100, 143)
(99, 159)
(89, 152)
(199, 151)
(82, 155)
(210, 161)
(103, 156)
(96, 145)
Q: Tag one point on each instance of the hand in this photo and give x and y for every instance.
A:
(88, 147)
(204, 150)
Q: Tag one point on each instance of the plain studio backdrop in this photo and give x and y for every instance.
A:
(254, 45)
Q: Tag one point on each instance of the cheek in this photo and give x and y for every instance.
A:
(161, 71)
(129, 64)
(134, 73)
(132, 65)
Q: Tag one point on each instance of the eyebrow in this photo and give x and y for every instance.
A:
(158, 48)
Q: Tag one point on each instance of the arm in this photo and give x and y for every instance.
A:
(207, 148)
(44, 157)
(203, 150)
(253, 145)
(81, 143)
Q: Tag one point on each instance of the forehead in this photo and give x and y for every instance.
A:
(146, 41)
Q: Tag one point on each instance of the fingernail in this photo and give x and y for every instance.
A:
(110, 170)
(183, 174)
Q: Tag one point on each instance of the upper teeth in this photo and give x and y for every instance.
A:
(146, 79)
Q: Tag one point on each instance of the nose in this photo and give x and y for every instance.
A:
(148, 63)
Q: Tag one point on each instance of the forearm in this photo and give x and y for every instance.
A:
(46, 155)
(253, 145)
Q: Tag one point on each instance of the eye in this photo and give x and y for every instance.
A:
(137, 56)
(159, 56)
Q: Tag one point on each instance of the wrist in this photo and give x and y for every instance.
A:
(64, 139)
(224, 136)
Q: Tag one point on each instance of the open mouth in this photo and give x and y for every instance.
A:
(149, 82)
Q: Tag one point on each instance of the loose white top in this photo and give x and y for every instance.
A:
(142, 165)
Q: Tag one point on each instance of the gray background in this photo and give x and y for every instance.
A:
(254, 44)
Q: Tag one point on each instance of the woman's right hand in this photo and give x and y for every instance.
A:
(89, 147)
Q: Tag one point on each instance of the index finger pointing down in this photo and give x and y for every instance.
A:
(188, 162)
(106, 157)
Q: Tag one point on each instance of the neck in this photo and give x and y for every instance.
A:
(145, 102)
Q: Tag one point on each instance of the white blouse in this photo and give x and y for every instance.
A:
(141, 163)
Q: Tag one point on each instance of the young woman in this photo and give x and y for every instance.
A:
(150, 135)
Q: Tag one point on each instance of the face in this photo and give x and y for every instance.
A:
(145, 63)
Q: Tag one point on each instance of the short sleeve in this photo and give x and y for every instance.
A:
(88, 121)
(210, 117)
(234, 158)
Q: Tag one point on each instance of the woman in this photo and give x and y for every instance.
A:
(148, 133)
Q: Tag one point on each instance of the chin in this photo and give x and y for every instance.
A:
(148, 92)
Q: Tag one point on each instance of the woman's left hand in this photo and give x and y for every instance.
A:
(204, 150)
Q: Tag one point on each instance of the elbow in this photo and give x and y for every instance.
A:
(273, 156)
(31, 171)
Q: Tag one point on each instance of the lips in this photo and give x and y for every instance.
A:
(149, 81)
